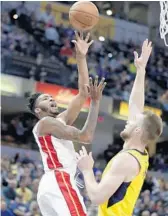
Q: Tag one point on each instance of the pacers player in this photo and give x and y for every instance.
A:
(57, 193)
(124, 175)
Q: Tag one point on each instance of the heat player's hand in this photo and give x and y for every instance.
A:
(141, 62)
(82, 45)
(96, 89)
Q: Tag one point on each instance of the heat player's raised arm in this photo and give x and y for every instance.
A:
(53, 126)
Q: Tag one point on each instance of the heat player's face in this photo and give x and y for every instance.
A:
(131, 126)
(47, 104)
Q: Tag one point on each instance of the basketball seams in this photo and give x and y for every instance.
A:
(74, 20)
(78, 21)
(85, 13)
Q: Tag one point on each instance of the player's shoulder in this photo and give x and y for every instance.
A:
(51, 120)
(125, 162)
(44, 124)
(48, 124)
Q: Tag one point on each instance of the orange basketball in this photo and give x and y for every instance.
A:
(83, 15)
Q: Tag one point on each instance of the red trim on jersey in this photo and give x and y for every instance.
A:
(48, 148)
(70, 195)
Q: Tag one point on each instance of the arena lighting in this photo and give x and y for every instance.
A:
(15, 16)
(109, 12)
(101, 38)
(110, 55)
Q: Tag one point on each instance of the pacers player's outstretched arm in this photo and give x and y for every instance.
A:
(49, 125)
(123, 169)
(75, 106)
(136, 101)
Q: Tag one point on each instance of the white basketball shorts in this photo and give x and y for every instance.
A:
(58, 195)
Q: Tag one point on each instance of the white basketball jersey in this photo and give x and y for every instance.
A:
(56, 153)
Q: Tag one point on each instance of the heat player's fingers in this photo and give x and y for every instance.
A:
(90, 83)
(90, 154)
(87, 37)
(77, 156)
(90, 43)
(150, 44)
(96, 81)
(77, 35)
(101, 83)
(81, 35)
(103, 86)
(84, 150)
(81, 153)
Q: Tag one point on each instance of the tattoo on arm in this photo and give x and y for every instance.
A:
(58, 129)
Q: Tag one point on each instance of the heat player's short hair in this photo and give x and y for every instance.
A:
(32, 101)
(152, 125)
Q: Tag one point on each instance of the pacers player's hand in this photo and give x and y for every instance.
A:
(96, 88)
(81, 44)
(141, 62)
(85, 161)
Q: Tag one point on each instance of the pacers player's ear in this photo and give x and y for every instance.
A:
(137, 129)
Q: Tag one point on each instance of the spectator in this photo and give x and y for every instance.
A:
(4, 210)
(47, 16)
(66, 50)
(20, 131)
(145, 213)
(154, 214)
(71, 61)
(148, 184)
(34, 188)
(6, 24)
(19, 208)
(51, 34)
(132, 68)
(9, 192)
(43, 75)
(164, 100)
(108, 154)
(98, 175)
(34, 209)
(68, 32)
(97, 46)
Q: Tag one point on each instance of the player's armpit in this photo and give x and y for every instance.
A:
(123, 169)
(53, 126)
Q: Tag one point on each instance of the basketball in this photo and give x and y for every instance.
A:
(83, 15)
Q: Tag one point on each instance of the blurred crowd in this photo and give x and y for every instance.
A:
(20, 179)
(20, 176)
(37, 36)
(18, 129)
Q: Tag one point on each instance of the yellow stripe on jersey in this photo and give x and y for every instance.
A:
(122, 202)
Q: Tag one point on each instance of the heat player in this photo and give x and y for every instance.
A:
(57, 193)
(124, 175)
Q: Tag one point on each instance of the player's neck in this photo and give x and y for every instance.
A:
(42, 115)
(134, 144)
